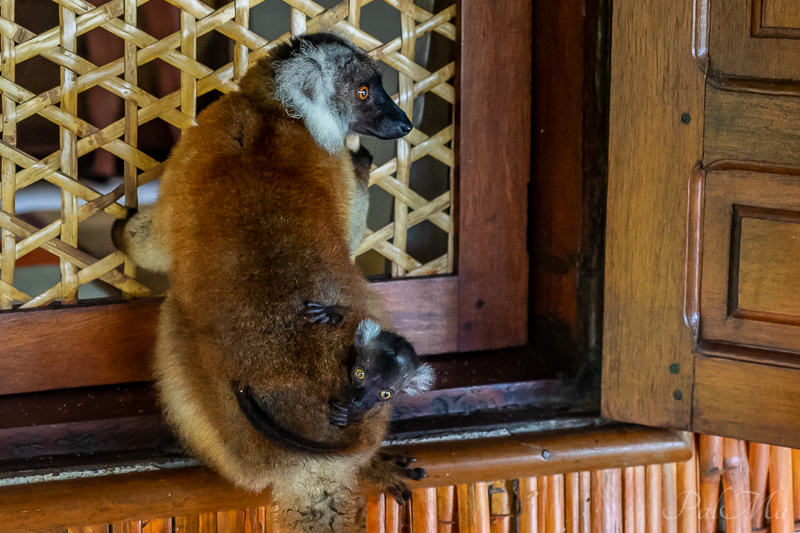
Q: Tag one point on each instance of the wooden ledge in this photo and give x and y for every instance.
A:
(186, 491)
(539, 454)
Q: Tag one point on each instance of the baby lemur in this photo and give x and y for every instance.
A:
(253, 222)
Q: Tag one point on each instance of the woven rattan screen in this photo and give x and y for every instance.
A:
(410, 205)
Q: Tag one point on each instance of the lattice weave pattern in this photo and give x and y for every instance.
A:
(59, 105)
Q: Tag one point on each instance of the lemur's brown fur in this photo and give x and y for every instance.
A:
(254, 216)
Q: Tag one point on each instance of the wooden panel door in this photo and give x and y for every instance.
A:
(702, 313)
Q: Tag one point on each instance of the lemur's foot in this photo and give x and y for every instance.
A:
(317, 313)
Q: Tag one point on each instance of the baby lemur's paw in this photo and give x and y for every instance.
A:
(340, 414)
(317, 313)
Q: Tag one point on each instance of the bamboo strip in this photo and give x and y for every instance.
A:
(403, 172)
(136, 527)
(572, 502)
(163, 525)
(653, 498)
(189, 48)
(208, 523)
(240, 52)
(669, 511)
(420, 214)
(629, 500)
(688, 495)
(298, 22)
(393, 519)
(423, 510)
(555, 497)
(639, 497)
(473, 508)
(529, 509)
(544, 503)
(736, 485)
(187, 524)
(586, 502)
(796, 484)
(69, 159)
(710, 470)
(445, 499)
(759, 468)
(376, 514)
(499, 507)
(230, 522)
(8, 169)
(354, 12)
(780, 486)
(131, 126)
(607, 501)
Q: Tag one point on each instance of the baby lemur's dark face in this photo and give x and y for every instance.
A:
(385, 366)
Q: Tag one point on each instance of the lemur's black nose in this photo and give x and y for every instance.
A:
(406, 128)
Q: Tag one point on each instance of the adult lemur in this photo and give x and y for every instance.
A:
(253, 220)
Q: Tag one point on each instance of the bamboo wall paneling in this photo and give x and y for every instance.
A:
(710, 472)
(572, 502)
(500, 506)
(473, 508)
(423, 511)
(669, 503)
(758, 461)
(736, 485)
(445, 517)
(394, 520)
(606, 493)
(543, 501)
(586, 502)
(376, 513)
(688, 494)
(796, 484)
(653, 499)
(780, 488)
(529, 505)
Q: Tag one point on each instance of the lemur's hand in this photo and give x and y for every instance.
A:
(323, 314)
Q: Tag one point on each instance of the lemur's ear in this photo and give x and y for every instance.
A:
(420, 380)
(366, 332)
(305, 85)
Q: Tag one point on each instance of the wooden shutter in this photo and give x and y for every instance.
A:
(702, 325)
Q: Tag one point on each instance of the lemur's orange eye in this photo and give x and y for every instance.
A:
(359, 374)
(363, 92)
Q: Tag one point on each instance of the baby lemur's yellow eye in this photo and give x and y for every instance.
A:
(359, 373)
(386, 394)
(363, 92)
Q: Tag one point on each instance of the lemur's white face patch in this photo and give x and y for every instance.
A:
(306, 84)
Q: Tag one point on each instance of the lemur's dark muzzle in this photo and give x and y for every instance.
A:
(387, 121)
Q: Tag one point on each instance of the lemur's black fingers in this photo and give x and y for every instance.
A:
(416, 473)
(340, 416)
(322, 314)
(400, 493)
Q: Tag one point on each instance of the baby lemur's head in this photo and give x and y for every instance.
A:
(336, 89)
(385, 366)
